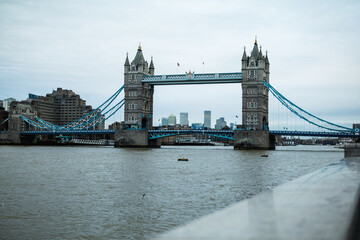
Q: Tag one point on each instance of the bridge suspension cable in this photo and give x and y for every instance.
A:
(4, 121)
(92, 119)
(310, 118)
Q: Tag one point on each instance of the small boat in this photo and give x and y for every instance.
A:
(183, 159)
(264, 155)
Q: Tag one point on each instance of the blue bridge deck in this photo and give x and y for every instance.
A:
(205, 78)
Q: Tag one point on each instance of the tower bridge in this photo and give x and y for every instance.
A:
(140, 79)
(137, 130)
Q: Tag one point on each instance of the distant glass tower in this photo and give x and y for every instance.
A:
(184, 119)
(207, 119)
(172, 120)
(164, 121)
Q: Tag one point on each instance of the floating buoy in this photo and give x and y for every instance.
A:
(264, 155)
(183, 159)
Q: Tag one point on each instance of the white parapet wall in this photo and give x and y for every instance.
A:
(319, 205)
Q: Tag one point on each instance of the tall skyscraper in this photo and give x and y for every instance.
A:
(172, 120)
(184, 119)
(207, 119)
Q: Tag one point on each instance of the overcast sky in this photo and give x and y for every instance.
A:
(313, 48)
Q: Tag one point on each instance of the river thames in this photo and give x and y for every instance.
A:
(111, 193)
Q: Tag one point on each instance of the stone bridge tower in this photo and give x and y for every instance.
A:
(138, 111)
(255, 96)
(255, 102)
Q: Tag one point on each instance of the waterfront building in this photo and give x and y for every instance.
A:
(61, 107)
(6, 103)
(220, 123)
(197, 126)
(164, 121)
(172, 120)
(207, 119)
(232, 126)
(184, 119)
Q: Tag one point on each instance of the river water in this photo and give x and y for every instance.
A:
(111, 193)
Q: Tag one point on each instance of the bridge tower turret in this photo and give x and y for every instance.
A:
(255, 96)
(138, 96)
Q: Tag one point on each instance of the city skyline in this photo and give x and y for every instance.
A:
(82, 46)
(165, 121)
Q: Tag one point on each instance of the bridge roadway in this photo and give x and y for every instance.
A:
(67, 132)
(227, 134)
(192, 78)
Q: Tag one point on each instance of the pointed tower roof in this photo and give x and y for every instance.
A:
(244, 57)
(139, 58)
(266, 57)
(127, 60)
(255, 51)
(151, 64)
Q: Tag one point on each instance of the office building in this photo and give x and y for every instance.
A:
(61, 107)
(164, 121)
(6, 103)
(184, 119)
(172, 120)
(207, 119)
(220, 123)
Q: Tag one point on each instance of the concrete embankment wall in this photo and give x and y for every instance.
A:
(352, 150)
(319, 205)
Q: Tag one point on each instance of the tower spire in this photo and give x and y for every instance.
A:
(139, 48)
(151, 63)
(127, 63)
(244, 54)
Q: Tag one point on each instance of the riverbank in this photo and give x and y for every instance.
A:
(321, 205)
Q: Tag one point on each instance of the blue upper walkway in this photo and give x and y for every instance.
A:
(192, 78)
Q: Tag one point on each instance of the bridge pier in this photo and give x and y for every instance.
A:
(135, 138)
(253, 140)
(10, 137)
